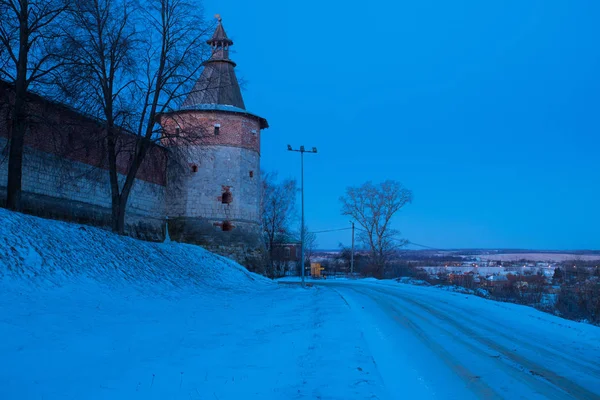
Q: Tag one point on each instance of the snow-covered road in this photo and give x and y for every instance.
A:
(345, 340)
(430, 343)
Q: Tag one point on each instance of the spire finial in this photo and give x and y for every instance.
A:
(219, 37)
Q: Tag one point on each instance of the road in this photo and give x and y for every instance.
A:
(359, 340)
(430, 343)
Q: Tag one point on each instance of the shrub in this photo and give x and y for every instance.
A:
(580, 301)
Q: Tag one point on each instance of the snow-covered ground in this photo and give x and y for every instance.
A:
(86, 314)
(92, 342)
(89, 315)
(451, 345)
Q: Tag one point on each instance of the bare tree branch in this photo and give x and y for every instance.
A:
(277, 210)
(130, 62)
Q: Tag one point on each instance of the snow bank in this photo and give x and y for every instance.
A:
(53, 253)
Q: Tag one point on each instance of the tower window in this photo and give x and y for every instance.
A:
(177, 131)
(253, 131)
(226, 198)
(217, 128)
(251, 174)
(226, 226)
(194, 168)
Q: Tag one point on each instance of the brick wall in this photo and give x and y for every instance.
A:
(56, 187)
(198, 127)
(56, 129)
(186, 179)
(65, 172)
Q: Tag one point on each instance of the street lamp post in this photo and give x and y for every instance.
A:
(352, 254)
(302, 151)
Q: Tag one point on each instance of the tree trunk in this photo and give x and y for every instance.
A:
(140, 153)
(15, 159)
(115, 206)
(121, 216)
(19, 115)
(271, 242)
(114, 179)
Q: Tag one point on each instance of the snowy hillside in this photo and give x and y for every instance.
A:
(86, 314)
(47, 252)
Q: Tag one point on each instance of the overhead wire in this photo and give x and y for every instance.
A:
(397, 239)
(331, 230)
(407, 242)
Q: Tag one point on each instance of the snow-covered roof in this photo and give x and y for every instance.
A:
(497, 278)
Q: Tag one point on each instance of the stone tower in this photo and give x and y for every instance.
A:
(213, 187)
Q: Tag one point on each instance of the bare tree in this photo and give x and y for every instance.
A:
(30, 48)
(373, 206)
(134, 76)
(278, 210)
(102, 39)
(310, 244)
(174, 49)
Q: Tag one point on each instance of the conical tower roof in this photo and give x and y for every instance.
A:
(218, 83)
(219, 35)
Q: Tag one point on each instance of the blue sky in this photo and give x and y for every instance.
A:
(488, 111)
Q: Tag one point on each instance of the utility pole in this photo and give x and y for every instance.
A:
(352, 254)
(302, 151)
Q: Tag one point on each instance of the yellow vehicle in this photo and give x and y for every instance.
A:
(315, 270)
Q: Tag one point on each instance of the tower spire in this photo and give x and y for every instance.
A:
(218, 83)
(219, 41)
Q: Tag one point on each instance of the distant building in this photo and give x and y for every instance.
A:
(286, 258)
(287, 251)
(496, 281)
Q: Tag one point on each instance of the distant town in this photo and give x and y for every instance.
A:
(559, 282)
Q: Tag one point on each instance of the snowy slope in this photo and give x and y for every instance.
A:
(85, 314)
(52, 253)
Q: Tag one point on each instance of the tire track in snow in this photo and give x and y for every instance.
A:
(537, 383)
(466, 315)
(550, 376)
(471, 381)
